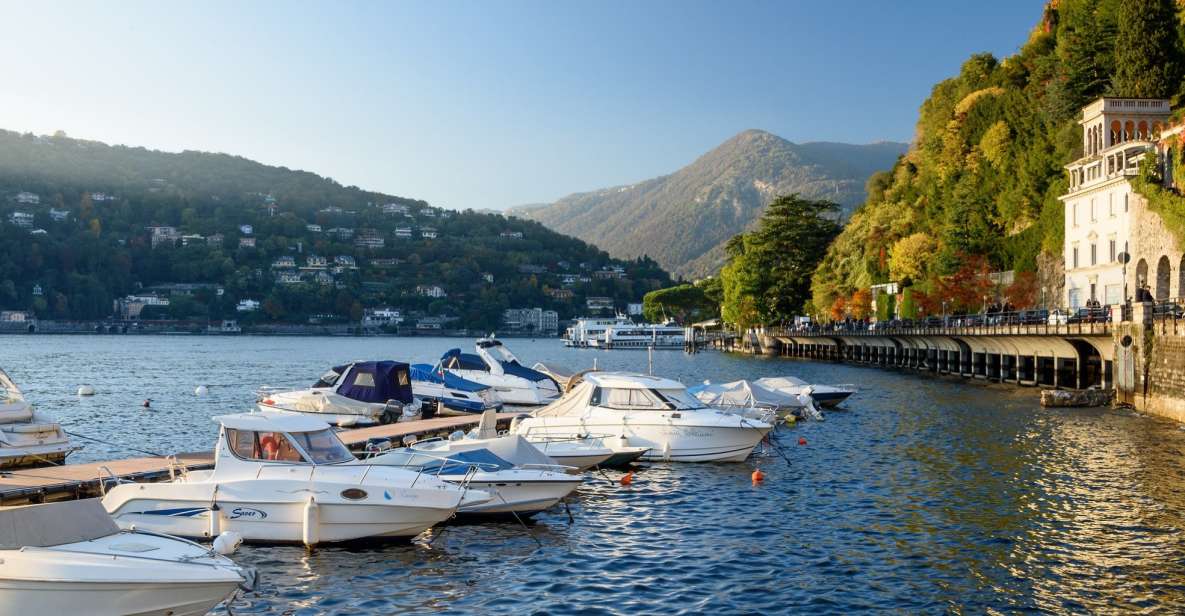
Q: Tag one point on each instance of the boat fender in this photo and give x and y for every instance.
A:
(201, 390)
(86, 390)
(215, 521)
(226, 543)
(312, 523)
(627, 478)
(666, 451)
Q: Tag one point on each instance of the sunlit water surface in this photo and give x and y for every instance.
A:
(921, 496)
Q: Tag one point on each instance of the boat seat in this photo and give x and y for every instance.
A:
(54, 524)
(15, 412)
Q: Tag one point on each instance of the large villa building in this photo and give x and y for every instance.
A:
(1105, 218)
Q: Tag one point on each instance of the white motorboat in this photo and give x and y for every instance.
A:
(752, 400)
(519, 478)
(27, 437)
(362, 393)
(823, 395)
(452, 395)
(288, 478)
(71, 558)
(646, 411)
(494, 365)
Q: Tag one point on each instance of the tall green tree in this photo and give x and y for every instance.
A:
(1147, 50)
(767, 278)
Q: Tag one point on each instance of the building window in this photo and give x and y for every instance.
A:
(1093, 215)
(1094, 254)
(1075, 257)
(1075, 302)
(1111, 205)
(1112, 251)
(1074, 214)
(1125, 202)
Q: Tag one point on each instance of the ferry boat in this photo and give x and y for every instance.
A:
(621, 333)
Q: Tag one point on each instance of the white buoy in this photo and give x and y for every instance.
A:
(227, 542)
(86, 390)
(201, 390)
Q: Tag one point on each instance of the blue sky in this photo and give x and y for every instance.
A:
(485, 104)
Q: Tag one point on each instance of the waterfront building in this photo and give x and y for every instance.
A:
(381, 317)
(1101, 209)
(599, 304)
(531, 320)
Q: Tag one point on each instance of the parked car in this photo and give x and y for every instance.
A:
(1034, 317)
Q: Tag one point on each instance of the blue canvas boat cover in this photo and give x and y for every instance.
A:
(375, 381)
(426, 373)
(455, 463)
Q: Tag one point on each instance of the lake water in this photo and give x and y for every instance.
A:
(920, 496)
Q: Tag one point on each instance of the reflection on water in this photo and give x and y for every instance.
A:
(921, 496)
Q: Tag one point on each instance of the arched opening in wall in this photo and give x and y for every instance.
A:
(1164, 272)
(1155, 129)
(1141, 273)
(1181, 277)
(1116, 132)
(1129, 129)
(1089, 369)
(965, 357)
(1143, 131)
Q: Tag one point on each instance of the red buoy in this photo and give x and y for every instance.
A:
(627, 478)
(801, 440)
(758, 476)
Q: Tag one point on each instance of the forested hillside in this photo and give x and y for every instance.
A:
(683, 220)
(978, 190)
(75, 220)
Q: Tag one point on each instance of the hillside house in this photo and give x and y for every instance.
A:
(27, 198)
(284, 262)
(428, 233)
(23, 220)
(403, 233)
(431, 291)
(57, 215)
(369, 238)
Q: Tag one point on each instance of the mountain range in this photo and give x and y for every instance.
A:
(683, 220)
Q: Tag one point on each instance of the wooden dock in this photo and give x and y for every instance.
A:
(72, 481)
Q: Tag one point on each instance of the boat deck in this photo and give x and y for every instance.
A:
(71, 481)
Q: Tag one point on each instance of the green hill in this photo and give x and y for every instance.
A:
(978, 190)
(88, 241)
(684, 219)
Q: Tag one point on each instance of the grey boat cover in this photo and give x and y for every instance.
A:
(54, 524)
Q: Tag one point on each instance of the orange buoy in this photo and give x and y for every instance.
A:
(758, 476)
(627, 478)
(801, 440)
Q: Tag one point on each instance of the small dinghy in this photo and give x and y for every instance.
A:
(27, 437)
(71, 558)
(362, 393)
(824, 395)
(288, 479)
(452, 394)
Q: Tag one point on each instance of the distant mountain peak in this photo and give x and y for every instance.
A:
(682, 220)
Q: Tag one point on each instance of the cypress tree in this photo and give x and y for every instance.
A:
(1147, 50)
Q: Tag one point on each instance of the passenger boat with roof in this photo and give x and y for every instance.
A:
(361, 393)
(451, 394)
(646, 411)
(28, 437)
(288, 478)
(494, 365)
(70, 558)
(519, 477)
(823, 395)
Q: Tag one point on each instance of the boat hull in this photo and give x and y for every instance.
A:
(520, 497)
(34, 456)
(341, 420)
(670, 442)
(25, 597)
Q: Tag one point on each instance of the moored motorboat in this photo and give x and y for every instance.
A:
(519, 478)
(451, 394)
(362, 393)
(823, 395)
(494, 365)
(70, 558)
(28, 437)
(645, 411)
(288, 478)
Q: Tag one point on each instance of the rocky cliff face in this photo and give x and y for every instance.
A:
(684, 219)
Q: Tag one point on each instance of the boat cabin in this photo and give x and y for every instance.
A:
(268, 437)
(369, 381)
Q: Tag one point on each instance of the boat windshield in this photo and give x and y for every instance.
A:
(501, 353)
(329, 379)
(323, 446)
(8, 390)
(624, 399)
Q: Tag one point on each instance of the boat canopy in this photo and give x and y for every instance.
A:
(270, 421)
(426, 373)
(449, 464)
(53, 524)
(454, 359)
(779, 382)
(629, 380)
(375, 381)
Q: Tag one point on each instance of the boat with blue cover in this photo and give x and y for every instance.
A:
(493, 364)
(452, 394)
(361, 393)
